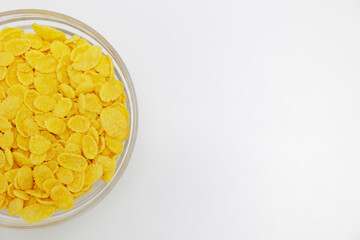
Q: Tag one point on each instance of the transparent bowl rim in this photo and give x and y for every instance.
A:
(26, 14)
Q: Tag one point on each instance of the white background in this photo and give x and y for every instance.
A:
(249, 120)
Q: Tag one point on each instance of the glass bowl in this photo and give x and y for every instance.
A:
(70, 26)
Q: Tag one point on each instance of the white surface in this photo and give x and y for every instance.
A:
(249, 120)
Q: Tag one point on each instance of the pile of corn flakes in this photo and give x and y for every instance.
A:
(63, 120)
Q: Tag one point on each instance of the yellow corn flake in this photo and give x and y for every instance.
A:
(2, 159)
(113, 121)
(85, 86)
(61, 69)
(66, 91)
(88, 59)
(41, 173)
(77, 79)
(9, 107)
(25, 78)
(45, 47)
(72, 161)
(21, 159)
(6, 140)
(22, 142)
(36, 212)
(37, 193)
(30, 127)
(37, 159)
(78, 183)
(104, 66)
(62, 107)
(24, 178)
(15, 206)
(93, 133)
(9, 159)
(32, 54)
(111, 90)
(12, 33)
(72, 73)
(39, 144)
(89, 147)
(48, 33)
(81, 103)
(44, 103)
(101, 144)
(21, 194)
(56, 96)
(10, 189)
(114, 145)
(46, 84)
(65, 135)
(76, 138)
(108, 165)
(55, 125)
(10, 175)
(44, 64)
(65, 176)
(6, 58)
(72, 39)
(81, 41)
(122, 108)
(3, 71)
(48, 136)
(93, 103)
(45, 202)
(78, 51)
(79, 123)
(31, 201)
(17, 46)
(71, 147)
(4, 124)
(36, 41)
(11, 75)
(50, 154)
(24, 67)
(17, 90)
(50, 183)
(106, 162)
(41, 117)
(93, 172)
(3, 183)
(95, 77)
(29, 98)
(59, 49)
(62, 197)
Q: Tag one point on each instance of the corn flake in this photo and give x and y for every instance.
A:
(62, 197)
(65, 176)
(17, 46)
(55, 125)
(44, 103)
(15, 206)
(62, 107)
(39, 145)
(48, 33)
(72, 161)
(24, 178)
(77, 184)
(36, 212)
(89, 147)
(93, 172)
(88, 59)
(79, 123)
(6, 58)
